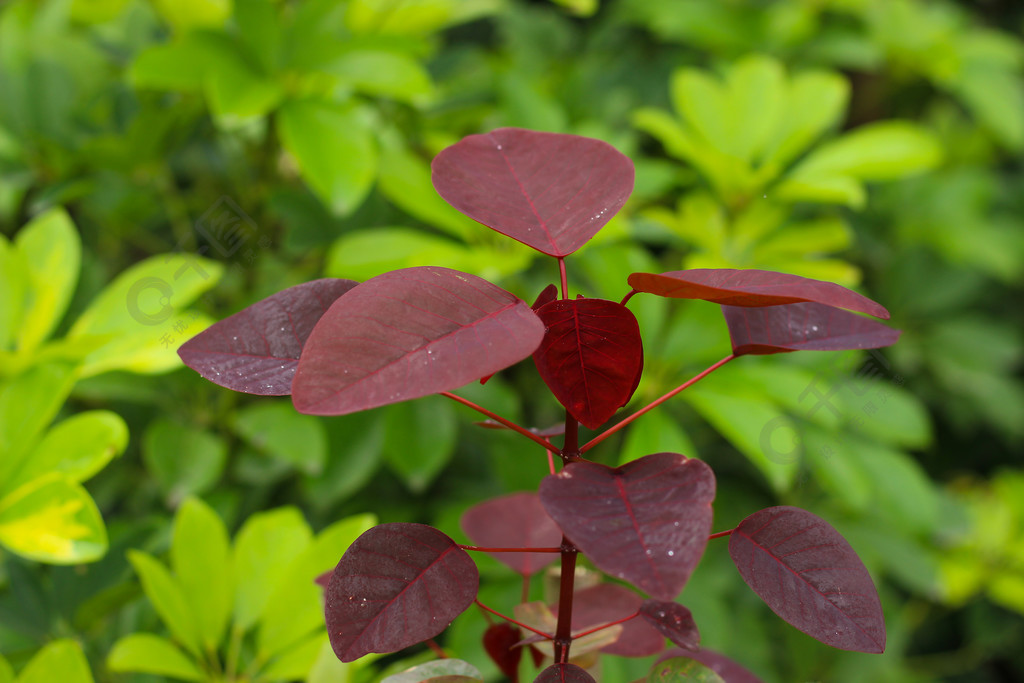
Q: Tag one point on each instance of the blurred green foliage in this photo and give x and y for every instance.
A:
(157, 155)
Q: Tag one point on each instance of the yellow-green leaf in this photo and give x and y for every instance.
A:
(52, 519)
(201, 559)
(150, 654)
(52, 252)
(61, 660)
(166, 594)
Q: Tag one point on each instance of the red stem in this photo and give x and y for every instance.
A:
(436, 648)
(654, 404)
(629, 296)
(510, 550)
(608, 625)
(720, 534)
(571, 444)
(563, 631)
(497, 418)
(513, 621)
(564, 278)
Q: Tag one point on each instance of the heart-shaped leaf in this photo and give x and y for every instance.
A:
(395, 586)
(646, 522)
(550, 191)
(730, 671)
(256, 350)
(810, 576)
(591, 356)
(673, 621)
(410, 333)
(608, 602)
(564, 673)
(517, 520)
(804, 326)
(499, 642)
(751, 288)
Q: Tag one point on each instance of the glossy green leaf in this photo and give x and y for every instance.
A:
(264, 549)
(201, 560)
(150, 654)
(334, 148)
(363, 254)
(52, 519)
(761, 432)
(188, 14)
(183, 460)
(384, 74)
(28, 403)
(419, 439)
(61, 660)
(295, 608)
(276, 429)
(168, 598)
(14, 282)
(878, 151)
(682, 670)
(77, 448)
(52, 253)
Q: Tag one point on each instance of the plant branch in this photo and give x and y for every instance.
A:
(563, 277)
(497, 418)
(563, 631)
(720, 534)
(571, 444)
(629, 296)
(654, 404)
(608, 625)
(513, 621)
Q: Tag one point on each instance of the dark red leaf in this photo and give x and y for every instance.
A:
(397, 585)
(591, 356)
(407, 334)
(256, 350)
(751, 288)
(550, 191)
(547, 295)
(499, 640)
(810, 576)
(673, 621)
(564, 673)
(323, 580)
(803, 327)
(646, 522)
(608, 602)
(517, 520)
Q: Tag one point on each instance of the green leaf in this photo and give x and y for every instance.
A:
(14, 282)
(757, 95)
(881, 410)
(6, 673)
(188, 14)
(384, 74)
(816, 101)
(826, 190)
(52, 253)
(96, 11)
(184, 460)
(363, 254)
(704, 104)
(52, 519)
(77, 448)
(399, 17)
(765, 435)
(682, 670)
(140, 314)
(820, 236)
(275, 428)
(61, 660)
(355, 455)
(264, 549)
(297, 660)
(235, 88)
(294, 609)
(996, 99)
(178, 65)
(657, 432)
(902, 491)
(419, 440)
(149, 654)
(877, 151)
(334, 148)
(201, 560)
(168, 598)
(260, 27)
(28, 403)
(837, 467)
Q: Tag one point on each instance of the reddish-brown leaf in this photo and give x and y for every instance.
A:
(517, 520)
(410, 333)
(564, 673)
(499, 642)
(397, 585)
(256, 350)
(751, 288)
(646, 522)
(550, 191)
(673, 621)
(591, 356)
(609, 602)
(803, 327)
(810, 576)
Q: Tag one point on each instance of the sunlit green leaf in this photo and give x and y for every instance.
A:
(815, 102)
(168, 598)
(384, 74)
(150, 654)
(201, 560)
(656, 432)
(836, 465)
(297, 660)
(52, 519)
(61, 660)
(14, 282)
(878, 151)
(189, 14)
(28, 403)
(757, 96)
(363, 254)
(52, 253)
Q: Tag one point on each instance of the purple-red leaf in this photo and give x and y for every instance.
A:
(410, 333)
(550, 191)
(256, 350)
(609, 602)
(673, 621)
(564, 673)
(397, 585)
(546, 296)
(591, 356)
(499, 642)
(751, 288)
(517, 520)
(730, 671)
(810, 576)
(802, 327)
(646, 522)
